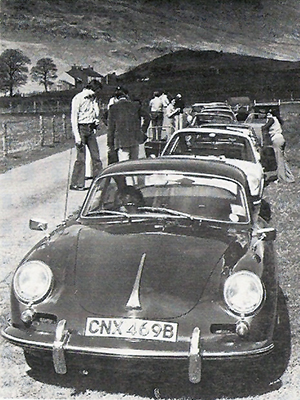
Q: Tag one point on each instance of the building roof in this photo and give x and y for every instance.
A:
(78, 72)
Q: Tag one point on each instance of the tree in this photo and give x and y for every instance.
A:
(13, 70)
(44, 72)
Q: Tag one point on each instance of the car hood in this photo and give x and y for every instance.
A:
(168, 272)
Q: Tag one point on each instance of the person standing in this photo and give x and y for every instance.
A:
(84, 121)
(273, 127)
(112, 101)
(125, 132)
(179, 103)
(156, 115)
(171, 113)
(165, 102)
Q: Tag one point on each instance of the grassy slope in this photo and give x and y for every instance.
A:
(215, 76)
(115, 35)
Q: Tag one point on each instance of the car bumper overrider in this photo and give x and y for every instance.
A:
(190, 350)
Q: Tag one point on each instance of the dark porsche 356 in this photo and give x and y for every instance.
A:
(163, 262)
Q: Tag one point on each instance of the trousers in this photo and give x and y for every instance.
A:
(284, 172)
(88, 139)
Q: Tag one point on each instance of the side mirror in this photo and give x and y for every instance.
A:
(38, 225)
(268, 234)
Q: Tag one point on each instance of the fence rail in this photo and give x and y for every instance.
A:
(36, 107)
(28, 132)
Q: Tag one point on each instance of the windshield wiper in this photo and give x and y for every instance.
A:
(107, 212)
(163, 210)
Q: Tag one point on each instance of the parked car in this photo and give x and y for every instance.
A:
(267, 155)
(229, 146)
(199, 106)
(240, 127)
(163, 264)
(211, 117)
(264, 107)
(219, 111)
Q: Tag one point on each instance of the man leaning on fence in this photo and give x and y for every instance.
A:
(84, 120)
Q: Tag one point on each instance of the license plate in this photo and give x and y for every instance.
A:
(131, 329)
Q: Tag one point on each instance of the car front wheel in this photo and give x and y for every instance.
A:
(39, 361)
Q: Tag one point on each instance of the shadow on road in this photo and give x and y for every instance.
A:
(225, 380)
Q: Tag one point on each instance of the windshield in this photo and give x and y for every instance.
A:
(210, 144)
(167, 194)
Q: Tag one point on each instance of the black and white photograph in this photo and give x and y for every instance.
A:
(150, 199)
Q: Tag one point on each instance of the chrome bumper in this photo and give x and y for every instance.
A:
(61, 344)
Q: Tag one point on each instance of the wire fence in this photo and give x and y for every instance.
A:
(23, 133)
(40, 106)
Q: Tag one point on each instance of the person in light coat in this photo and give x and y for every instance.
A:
(273, 127)
(172, 112)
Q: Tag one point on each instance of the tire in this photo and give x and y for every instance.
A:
(272, 366)
(39, 361)
(282, 338)
(265, 210)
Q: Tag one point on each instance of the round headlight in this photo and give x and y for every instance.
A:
(243, 292)
(32, 282)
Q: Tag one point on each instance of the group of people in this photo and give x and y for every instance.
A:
(166, 114)
(128, 122)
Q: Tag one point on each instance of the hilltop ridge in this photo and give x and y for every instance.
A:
(117, 35)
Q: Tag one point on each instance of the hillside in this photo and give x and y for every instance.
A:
(116, 35)
(211, 75)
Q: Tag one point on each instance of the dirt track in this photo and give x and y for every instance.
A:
(39, 189)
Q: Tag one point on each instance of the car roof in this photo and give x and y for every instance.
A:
(209, 114)
(209, 104)
(207, 128)
(230, 126)
(184, 165)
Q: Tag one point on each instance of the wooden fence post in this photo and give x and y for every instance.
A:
(42, 131)
(4, 144)
(64, 123)
(53, 129)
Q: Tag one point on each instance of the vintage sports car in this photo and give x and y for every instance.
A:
(196, 108)
(267, 155)
(212, 117)
(240, 127)
(232, 146)
(163, 263)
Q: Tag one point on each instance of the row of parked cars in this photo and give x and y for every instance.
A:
(170, 262)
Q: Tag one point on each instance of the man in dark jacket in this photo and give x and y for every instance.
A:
(127, 125)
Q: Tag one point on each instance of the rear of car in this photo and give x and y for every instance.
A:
(230, 146)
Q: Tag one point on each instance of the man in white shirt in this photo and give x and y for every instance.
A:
(84, 121)
(156, 115)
